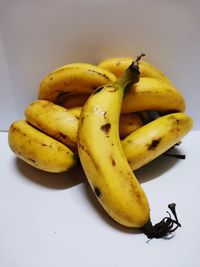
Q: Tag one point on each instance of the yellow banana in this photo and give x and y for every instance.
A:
(73, 78)
(53, 120)
(153, 94)
(154, 138)
(38, 149)
(154, 90)
(102, 156)
(118, 65)
(76, 111)
(62, 124)
(147, 94)
(129, 123)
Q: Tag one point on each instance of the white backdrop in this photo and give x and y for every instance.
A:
(38, 36)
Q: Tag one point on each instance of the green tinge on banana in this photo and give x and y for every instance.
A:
(38, 149)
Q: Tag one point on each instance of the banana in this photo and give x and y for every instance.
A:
(72, 100)
(118, 65)
(76, 111)
(73, 78)
(154, 91)
(53, 120)
(62, 124)
(38, 149)
(70, 86)
(154, 138)
(153, 94)
(147, 94)
(129, 123)
(102, 156)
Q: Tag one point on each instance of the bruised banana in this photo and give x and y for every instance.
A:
(73, 78)
(118, 65)
(154, 138)
(38, 149)
(102, 156)
(62, 124)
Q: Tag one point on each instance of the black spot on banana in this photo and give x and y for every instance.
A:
(106, 127)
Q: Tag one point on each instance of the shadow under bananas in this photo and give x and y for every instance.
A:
(156, 167)
(63, 180)
(146, 173)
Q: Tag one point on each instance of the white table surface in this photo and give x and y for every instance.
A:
(54, 219)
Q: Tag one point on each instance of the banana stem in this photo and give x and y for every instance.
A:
(131, 75)
(165, 227)
(178, 156)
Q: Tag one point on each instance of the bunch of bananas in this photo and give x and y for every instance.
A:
(101, 116)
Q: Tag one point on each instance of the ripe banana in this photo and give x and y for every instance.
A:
(153, 94)
(154, 138)
(128, 123)
(62, 125)
(73, 78)
(38, 149)
(76, 111)
(53, 120)
(118, 65)
(102, 156)
(147, 94)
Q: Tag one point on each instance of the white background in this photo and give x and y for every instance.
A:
(54, 220)
(38, 36)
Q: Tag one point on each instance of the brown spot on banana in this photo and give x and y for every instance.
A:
(99, 73)
(111, 88)
(106, 127)
(153, 145)
(97, 90)
(44, 144)
(32, 160)
(113, 161)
